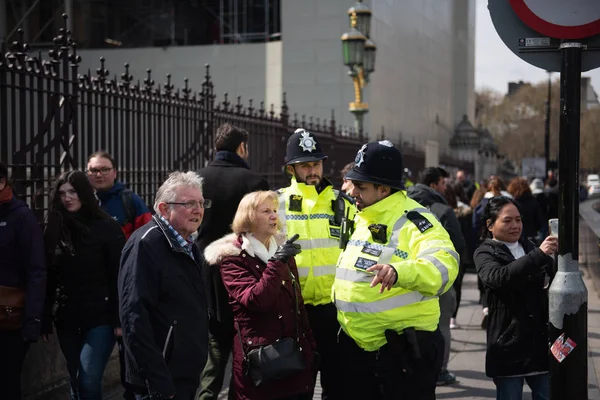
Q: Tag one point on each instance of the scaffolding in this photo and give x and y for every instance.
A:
(138, 23)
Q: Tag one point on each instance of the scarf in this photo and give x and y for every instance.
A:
(6, 194)
(257, 249)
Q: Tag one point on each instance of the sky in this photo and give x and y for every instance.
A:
(496, 65)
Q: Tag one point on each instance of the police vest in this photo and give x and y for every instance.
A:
(306, 212)
(400, 232)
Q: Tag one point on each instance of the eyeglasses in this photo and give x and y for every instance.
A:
(104, 171)
(193, 204)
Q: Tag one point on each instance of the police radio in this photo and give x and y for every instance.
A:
(346, 229)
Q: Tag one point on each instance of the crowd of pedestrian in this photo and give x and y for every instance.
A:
(358, 286)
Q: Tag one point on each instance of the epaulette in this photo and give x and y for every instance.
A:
(422, 223)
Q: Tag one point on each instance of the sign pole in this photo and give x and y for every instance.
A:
(567, 329)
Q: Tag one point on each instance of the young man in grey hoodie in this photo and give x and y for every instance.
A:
(429, 192)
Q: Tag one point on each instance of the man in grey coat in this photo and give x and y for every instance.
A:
(429, 192)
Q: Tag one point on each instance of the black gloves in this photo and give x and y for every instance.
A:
(287, 250)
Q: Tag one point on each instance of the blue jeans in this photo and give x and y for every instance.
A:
(512, 388)
(87, 353)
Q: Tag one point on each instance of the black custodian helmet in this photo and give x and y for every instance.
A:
(380, 163)
(303, 147)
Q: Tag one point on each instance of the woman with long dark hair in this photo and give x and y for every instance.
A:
(83, 247)
(516, 276)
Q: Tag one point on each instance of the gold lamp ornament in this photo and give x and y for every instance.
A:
(359, 56)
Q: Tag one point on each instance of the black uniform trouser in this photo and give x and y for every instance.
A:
(381, 375)
(325, 326)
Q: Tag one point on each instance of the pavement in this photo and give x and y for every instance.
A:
(467, 357)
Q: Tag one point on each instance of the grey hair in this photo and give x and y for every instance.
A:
(166, 191)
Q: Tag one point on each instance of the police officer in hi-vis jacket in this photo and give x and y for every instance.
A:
(397, 263)
(311, 208)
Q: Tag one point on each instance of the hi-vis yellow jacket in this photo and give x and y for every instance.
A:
(310, 214)
(419, 249)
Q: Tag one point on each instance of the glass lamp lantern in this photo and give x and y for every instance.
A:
(363, 17)
(353, 47)
(369, 58)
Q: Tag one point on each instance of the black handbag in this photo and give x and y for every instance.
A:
(277, 360)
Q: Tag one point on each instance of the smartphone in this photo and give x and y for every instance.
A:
(553, 227)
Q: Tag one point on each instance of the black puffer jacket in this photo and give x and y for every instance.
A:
(85, 276)
(517, 333)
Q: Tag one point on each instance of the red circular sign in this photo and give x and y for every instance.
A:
(560, 19)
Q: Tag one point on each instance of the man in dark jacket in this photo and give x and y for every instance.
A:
(162, 304)
(22, 266)
(429, 192)
(226, 180)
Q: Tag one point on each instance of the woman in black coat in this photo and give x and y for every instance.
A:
(514, 274)
(83, 247)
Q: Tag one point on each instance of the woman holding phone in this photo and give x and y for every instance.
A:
(260, 275)
(516, 277)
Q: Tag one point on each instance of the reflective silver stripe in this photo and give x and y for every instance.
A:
(321, 270)
(352, 275)
(381, 305)
(318, 243)
(281, 212)
(443, 271)
(434, 250)
(390, 248)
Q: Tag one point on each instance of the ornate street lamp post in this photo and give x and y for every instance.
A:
(359, 55)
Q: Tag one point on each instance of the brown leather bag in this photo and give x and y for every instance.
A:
(12, 305)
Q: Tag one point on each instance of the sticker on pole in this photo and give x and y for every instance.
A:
(574, 19)
(561, 348)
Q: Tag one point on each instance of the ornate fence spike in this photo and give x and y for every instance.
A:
(303, 121)
(261, 110)
(310, 123)
(238, 105)
(126, 78)
(226, 102)
(18, 51)
(169, 86)
(318, 124)
(295, 120)
(186, 88)
(148, 82)
(250, 108)
(74, 58)
(284, 107)
(207, 72)
(332, 122)
(272, 111)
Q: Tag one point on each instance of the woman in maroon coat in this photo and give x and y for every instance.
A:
(255, 266)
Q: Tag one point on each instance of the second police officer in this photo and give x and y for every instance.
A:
(311, 208)
(397, 263)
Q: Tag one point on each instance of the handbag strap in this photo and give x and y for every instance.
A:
(296, 312)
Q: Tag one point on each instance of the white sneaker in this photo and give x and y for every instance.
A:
(453, 324)
(485, 318)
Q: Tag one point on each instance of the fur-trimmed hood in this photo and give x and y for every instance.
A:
(232, 245)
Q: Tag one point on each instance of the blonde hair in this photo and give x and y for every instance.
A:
(243, 222)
